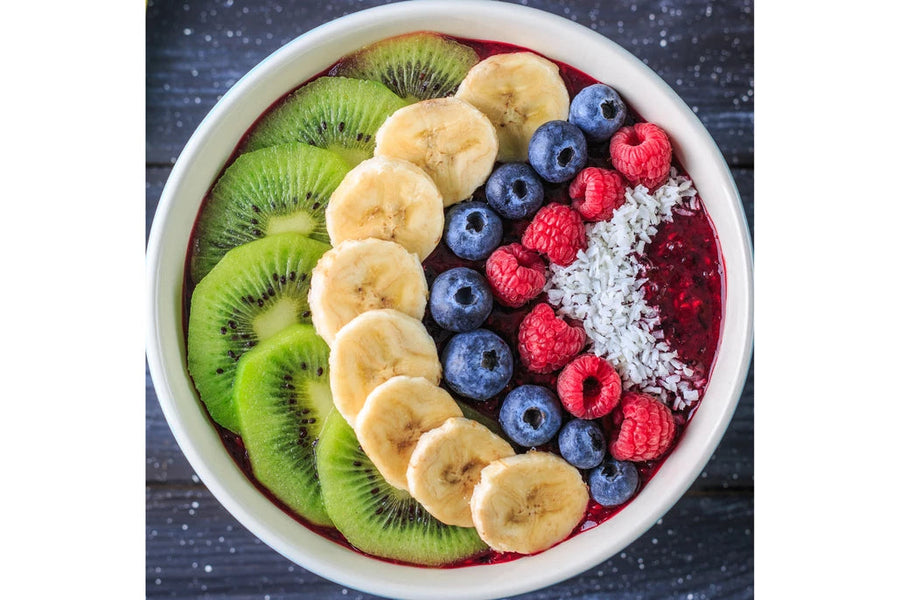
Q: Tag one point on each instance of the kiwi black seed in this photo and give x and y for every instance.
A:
(416, 66)
(254, 292)
(374, 516)
(269, 191)
(282, 397)
(336, 113)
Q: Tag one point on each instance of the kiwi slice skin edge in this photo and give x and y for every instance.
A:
(254, 292)
(282, 397)
(377, 518)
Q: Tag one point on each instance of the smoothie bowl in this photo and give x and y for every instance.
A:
(449, 299)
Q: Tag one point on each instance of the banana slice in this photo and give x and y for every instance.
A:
(361, 275)
(394, 416)
(389, 199)
(450, 139)
(518, 92)
(528, 502)
(372, 348)
(446, 464)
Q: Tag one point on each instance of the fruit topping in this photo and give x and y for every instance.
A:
(270, 191)
(642, 153)
(374, 516)
(645, 428)
(596, 193)
(360, 275)
(336, 113)
(446, 464)
(530, 415)
(514, 190)
(472, 230)
(547, 342)
(516, 274)
(417, 66)
(598, 111)
(613, 482)
(557, 232)
(450, 139)
(394, 417)
(282, 398)
(477, 364)
(389, 199)
(582, 443)
(374, 347)
(255, 291)
(528, 502)
(519, 92)
(557, 151)
(460, 299)
(589, 387)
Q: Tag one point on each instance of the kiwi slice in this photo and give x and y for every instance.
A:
(254, 292)
(376, 517)
(336, 113)
(416, 66)
(282, 397)
(272, 190)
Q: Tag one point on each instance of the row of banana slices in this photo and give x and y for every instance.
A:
(368, 296)
(435, 153)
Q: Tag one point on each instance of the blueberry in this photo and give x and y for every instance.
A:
(557, 151)
(460, 299)
(473, 230)
(582, 444)
(598, 111)
(530, 415)
(613, 482)
(477, 364)
(515, 191)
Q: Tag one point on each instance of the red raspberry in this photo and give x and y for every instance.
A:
(516, 275)
(589, 387)
(547, 342)
(557, 231)
(645, 431)
(596, 193)
(643, 154)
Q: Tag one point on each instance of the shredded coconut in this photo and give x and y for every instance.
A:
(602, 289)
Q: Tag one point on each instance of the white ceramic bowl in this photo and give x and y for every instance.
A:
(212, 144)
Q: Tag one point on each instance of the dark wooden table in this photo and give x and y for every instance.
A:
(198, 49)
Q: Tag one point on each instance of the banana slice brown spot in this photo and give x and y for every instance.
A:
(394, 417)
(448, 138)
(371, 349)
(446, 464)
(361, 275)
(518, 92)
(389, 199)
(528, 502)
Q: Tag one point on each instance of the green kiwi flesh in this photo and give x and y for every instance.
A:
(254, 292)
(272, 190)
(336, 113)
(416, 66)
(282, 396)
(377, 518)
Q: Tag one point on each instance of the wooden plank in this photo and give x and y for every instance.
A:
(197, 51)
(703, 548)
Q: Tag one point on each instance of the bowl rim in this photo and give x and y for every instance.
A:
(194, 171)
